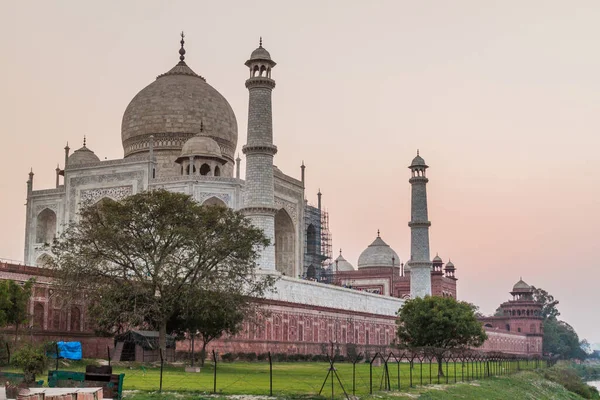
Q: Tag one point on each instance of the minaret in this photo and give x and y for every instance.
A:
(238, 164)
(28, 217)
(259, 203)
(420, 263)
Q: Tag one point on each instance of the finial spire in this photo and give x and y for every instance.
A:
(260, 42)
(84, 140)
(182, 50)
(201, 126)
(340, 251)
(377, 232)
(417, 151)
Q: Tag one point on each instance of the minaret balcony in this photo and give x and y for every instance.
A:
(418, 179)
(259, 149)
(260, 81)
(419, 224)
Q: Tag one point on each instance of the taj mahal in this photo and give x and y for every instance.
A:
(180, 134)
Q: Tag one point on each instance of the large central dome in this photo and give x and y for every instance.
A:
(176, 106)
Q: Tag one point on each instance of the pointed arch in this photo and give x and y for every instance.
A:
(214, 201)
(45, 226)
(311, 240)
(204, 169)
(38, 316)
(75, 319)
(43, 261)
(285, 243)
(311, 272)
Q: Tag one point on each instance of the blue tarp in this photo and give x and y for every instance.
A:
(69, 350)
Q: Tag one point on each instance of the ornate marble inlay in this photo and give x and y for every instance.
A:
(115, 193)
(40, 207)
(201, 197)
(288, 206)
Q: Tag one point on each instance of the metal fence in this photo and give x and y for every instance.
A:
(267, 374)
(328, 375)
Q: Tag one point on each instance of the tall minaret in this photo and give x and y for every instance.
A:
(259, 203)
(420, 263)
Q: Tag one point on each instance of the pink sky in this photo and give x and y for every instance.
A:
(502, 99)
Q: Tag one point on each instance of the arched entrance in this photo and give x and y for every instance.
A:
(45, 226)
(214, 201)
(285, 244)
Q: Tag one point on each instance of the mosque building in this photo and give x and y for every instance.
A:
(180, 134)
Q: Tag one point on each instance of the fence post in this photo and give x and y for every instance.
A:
(215, 372)
(430, 362)
(108, 353)
(421, 368)
(410, 370)
(270, 376)
(354, 375)
(161, 369)
(371, 376)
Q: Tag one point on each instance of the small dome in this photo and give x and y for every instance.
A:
(341, 264)
(449, 265)
(437, 260)
(378, 254)
(260, 54)
(202, 146)
(521, 286)
(82, 156)
(418, 162)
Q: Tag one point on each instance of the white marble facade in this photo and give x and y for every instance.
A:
(184, 141)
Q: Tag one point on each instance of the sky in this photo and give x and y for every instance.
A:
(501, 98)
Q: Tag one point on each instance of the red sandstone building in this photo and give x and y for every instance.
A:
(289, 327)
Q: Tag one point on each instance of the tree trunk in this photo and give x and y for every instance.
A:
(162, 338)
(16, 332)
(193, 355)
(440, 361)
(203, 353)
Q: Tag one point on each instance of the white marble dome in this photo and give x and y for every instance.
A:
(202, 146)
(378, 254)
(260, 54)
(341, 264)
(82, 156)
(174, 108)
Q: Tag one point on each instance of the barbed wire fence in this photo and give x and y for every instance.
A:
(329, 374)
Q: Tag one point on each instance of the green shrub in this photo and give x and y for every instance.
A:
(32, 360)
(569, 378)
(228, 357)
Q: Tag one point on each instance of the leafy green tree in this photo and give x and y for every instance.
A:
(139, 257)
(16, 309)
(209, 314)
(32, 360)
(441, 323)
(561, 340)
(549, 303)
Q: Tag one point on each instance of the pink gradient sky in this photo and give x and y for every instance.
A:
(502, 99)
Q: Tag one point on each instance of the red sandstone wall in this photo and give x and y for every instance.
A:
(511, 342)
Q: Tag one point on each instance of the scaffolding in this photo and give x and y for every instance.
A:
(326, 250)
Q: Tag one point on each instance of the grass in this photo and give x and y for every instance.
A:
(522, 385)
(290, 378)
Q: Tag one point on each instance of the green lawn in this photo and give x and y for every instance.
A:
(523, 385)
(294, 378)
